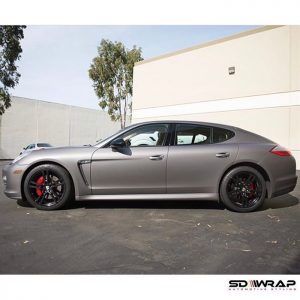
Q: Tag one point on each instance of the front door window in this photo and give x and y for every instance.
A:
(153, 135)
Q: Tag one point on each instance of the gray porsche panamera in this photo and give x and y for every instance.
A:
(157, 161)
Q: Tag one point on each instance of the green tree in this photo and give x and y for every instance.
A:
(10, 52)
(112, 74)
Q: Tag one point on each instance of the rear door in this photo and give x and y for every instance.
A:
(198, 157)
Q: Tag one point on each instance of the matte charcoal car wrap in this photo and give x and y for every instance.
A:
(157, 160)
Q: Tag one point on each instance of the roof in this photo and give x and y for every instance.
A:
(180, 122)
(211, 43)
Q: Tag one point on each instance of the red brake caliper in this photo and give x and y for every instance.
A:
(252, 188)
(39, 182)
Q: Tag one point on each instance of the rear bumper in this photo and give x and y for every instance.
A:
(284, 186)
(282, 174)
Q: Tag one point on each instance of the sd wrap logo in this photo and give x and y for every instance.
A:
(254, 285)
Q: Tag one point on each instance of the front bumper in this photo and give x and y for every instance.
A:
(12, 178)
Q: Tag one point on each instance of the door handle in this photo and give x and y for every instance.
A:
(156, 157)
(223, 154)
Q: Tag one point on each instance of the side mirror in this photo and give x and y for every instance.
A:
(118, 143)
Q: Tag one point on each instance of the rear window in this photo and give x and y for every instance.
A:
(221, 135)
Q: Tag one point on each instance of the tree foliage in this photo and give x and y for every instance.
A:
(112, 74)
(10, 52)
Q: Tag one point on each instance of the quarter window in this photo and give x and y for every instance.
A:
(221, 135)
(192, 134)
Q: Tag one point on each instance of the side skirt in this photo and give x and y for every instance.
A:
(191, 196)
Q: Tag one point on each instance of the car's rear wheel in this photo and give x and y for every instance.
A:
(243, 189)
(48, 187)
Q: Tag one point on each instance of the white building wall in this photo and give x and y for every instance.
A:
(263, 95)
(28, 121)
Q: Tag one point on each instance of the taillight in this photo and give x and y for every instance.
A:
(281, 151)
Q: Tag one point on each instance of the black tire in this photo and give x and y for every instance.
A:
(48, 187)
(243, 189)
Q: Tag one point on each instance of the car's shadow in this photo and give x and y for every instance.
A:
(154, 204)
(159, 204)
(280, 202)
(275, 203)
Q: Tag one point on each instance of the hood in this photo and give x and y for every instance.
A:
(56, 154)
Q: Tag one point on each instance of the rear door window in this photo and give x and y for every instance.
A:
(189, 134)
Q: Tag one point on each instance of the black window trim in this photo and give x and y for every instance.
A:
(170, 140)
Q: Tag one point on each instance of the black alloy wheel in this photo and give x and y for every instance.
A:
(243, 189)
(48, 187)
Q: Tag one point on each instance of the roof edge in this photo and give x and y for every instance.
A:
(58, 103)
(210, 43)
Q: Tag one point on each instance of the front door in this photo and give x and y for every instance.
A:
(137, 168)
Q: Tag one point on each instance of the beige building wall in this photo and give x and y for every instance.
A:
(262, 96)
(28, 121)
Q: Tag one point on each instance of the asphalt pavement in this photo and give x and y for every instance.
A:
(150, 237)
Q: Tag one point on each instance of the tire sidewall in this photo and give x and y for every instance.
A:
(61, 172)
(223, 193)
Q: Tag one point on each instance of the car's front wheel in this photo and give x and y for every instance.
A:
(243, 189)
(48, 187)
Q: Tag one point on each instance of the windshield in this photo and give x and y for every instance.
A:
(100, 141)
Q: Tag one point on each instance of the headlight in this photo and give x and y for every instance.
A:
(19, 157)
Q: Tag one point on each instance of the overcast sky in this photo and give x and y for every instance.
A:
(55, 59)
